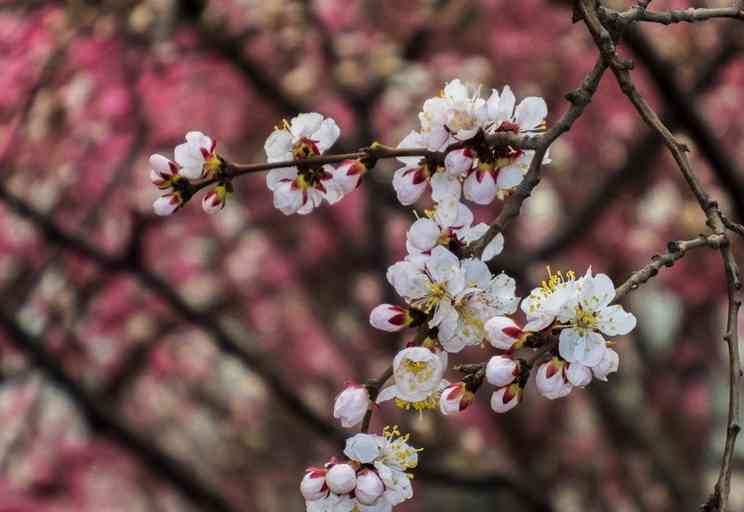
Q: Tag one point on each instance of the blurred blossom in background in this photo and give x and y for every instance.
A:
(90, 89)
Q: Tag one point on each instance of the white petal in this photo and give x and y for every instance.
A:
(614, 321)
(480, 192)
(304, 125)
(443, 187)
(509, 177)
(494, 248)
(327, 135)
(276, 177)
(387, 393)
(287, 198)
(407, 191)
(476, 273)
(424, 234)
(411, 141)
(578, 375)
(458, 162)
(278, 146)
(597, 292)
(502, 109)
(530, 113)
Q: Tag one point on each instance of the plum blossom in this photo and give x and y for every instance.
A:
(462, 320)
(550, 379)
(503, 333)
(507, 398)
(167, 204)
(458, 110)
(341, 478)
(455, 398)
(313, 485)
(390, 318)
(388, 458)
(214, 200)
(417, 372)
(351, 405)
(588, 315)
(459, 295)
(450, 224)
(197, 156)
(550, 299)
(369, 487)
(500, 170)
(348, 175)
(166, 175)
(302, 187)
(501, 371)
(411, 180)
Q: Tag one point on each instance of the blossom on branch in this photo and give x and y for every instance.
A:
(375, 478)
(303, 186)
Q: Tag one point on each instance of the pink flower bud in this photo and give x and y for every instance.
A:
(502, 332)
(215, 199)
(341, 479)
(550, 381)
(501, 371)
(455, 398)
(369, 487)
(313, 485)
(167, 204)
(162, 171)
(505, 399)
(351, 405)
(387, 317)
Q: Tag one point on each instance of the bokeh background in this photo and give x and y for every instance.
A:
(190, 363)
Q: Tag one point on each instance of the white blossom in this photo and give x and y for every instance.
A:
(450, 224)
(550, 380)
(455, 398)
(369, 487)
(501, 371)
(390, 318)
(197, 156)
(348, 175)
(459, 109)
(351, 405)
(503, 333)
(167, 204)
(411, 180)
(589, 314)
(417, 372)
(502, 171)
(163, 172)
(341, 478)
(505, 399)
(313, 485)
(214, 200)
(301, 188)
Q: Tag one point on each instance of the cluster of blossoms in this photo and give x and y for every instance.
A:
(194, 161)
(375, 478)
(449, 295)
(459, 118)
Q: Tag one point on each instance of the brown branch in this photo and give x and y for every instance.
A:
(718, 501)
(677, 250)
(690, 15)
(579, 99)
